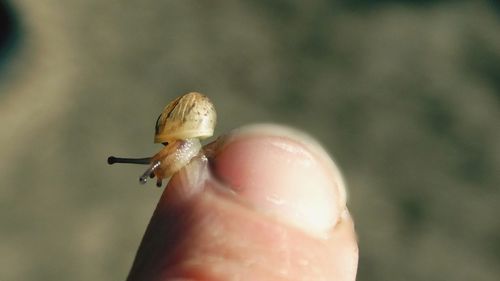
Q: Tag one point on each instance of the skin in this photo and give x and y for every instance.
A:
(268, 205)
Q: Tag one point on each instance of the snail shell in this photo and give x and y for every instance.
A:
(189, 116)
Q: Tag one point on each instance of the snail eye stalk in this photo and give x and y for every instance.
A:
(159, 183)
(144, 178)
(142, 161)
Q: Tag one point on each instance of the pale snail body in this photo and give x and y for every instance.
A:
(180, 126)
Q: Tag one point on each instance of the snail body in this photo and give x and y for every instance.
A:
(180, 127)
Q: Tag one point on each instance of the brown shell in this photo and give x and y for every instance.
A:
(189, 116)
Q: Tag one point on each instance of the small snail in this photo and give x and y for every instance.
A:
(179, 127)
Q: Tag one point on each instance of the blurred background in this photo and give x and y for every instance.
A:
(404, 94)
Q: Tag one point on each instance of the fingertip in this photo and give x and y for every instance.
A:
(283, 172)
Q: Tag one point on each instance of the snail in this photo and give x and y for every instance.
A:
(180, 127)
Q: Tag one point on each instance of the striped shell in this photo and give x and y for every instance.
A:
(189, 116)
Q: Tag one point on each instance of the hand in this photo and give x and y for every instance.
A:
(271, 207)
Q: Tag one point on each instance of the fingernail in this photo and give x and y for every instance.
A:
(285, 173)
